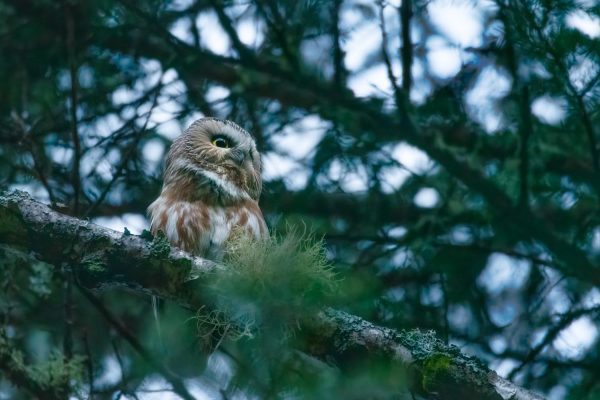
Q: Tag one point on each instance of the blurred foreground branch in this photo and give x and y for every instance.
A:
(102, 258)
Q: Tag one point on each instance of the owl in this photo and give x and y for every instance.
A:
(210, 189)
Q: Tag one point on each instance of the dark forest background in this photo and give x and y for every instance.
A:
(456, 184)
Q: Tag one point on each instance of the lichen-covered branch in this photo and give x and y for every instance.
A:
(100, 257)
(440, 370)
(103, 258)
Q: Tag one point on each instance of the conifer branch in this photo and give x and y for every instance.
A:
(102, 258)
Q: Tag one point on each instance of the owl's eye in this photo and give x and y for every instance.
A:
(221, 142)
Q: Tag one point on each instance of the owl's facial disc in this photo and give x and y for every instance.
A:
(219, 153)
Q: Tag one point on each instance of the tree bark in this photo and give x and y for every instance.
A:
(102, 258)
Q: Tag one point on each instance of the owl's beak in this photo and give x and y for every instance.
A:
(238, 155)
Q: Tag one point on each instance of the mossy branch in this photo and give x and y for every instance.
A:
(102, 258)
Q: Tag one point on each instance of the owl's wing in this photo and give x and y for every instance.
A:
(186, 225)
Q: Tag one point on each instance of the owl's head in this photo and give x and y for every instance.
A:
(218, 157)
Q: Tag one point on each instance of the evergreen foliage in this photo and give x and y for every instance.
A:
(460, 196)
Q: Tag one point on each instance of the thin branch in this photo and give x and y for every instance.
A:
(195, 31)
(517, 355)
(68, 312)
(589, 130)
(130, 151)
(27, 137)
(504, 250)
(227, 25)
(89, 364)
(73, 109)
(559, 62)
(552, 333)
(406, 52)
(386, 56)
(590, 85)
(525, 130)
(525, 124)
(339, 71)
(276, 27)
(446, 308)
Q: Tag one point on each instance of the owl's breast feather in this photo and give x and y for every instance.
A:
(203, 229)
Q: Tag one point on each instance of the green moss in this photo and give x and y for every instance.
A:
(434, 367)
(180, 272)
(147, 235)
(436, 361)
(94, 264)
(182, 264)
(160, 247)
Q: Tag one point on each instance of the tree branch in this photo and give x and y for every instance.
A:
(73, 98)
(103, 258)
(339, 70)
(406, 51)
(386, 57)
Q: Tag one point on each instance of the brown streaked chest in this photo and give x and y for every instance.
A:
(202, 228)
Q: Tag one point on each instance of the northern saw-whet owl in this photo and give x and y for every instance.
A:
(210, 189)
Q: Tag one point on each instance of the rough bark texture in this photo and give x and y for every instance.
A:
(103, 258)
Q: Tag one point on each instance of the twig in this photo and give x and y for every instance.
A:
(227, 25)
(525, 126)
(128, 155)
(564, 322)
(339, 71)
(590, 85)
(68, 313)
(74, 87)
(446, 305)
(559, 61)
(279, 33)
(26, 132)
(526, 129)
(406, 52)
(386, 56)
(195, 31)
(507, 251)
(89, 363)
